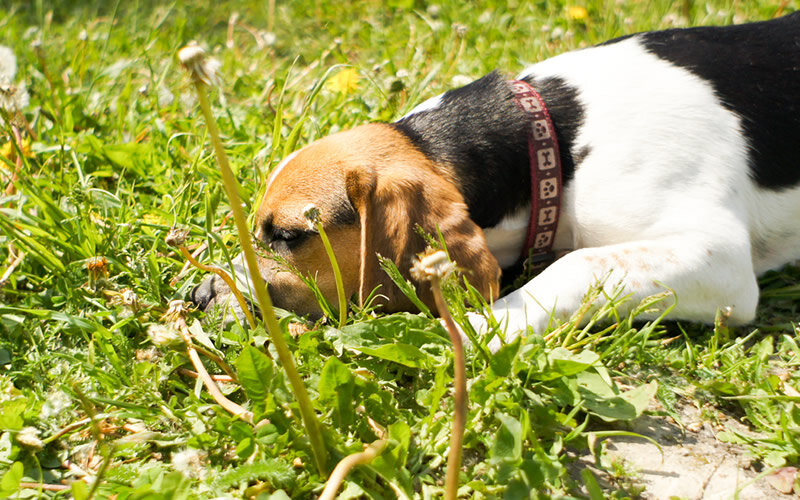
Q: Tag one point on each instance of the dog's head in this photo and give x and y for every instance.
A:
(372, 187)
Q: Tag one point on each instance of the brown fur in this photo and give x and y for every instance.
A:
(393, 187)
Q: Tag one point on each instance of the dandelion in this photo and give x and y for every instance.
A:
(176, 237)
(126, 298)
(435, 266)
(195, 63)
(150, 355)
(345, 81)
(205, 69)
(165, 97)
(8, 64)
(29, 437)
(189, 462)
(577, 13)
(13, 98)
(9, 152)
(54, 405)
(177, 309)
(311, 214)
(98, 269)
(164, 336)
(432, 264)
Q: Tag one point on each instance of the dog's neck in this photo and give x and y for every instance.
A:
(480, 137)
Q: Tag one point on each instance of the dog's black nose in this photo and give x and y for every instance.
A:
(204, 293)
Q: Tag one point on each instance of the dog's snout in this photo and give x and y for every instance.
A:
(204, 293)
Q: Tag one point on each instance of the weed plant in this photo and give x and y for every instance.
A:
(110, 152)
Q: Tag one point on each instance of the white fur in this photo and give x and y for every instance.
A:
(432, 103)
(274, 174)
(663, 198)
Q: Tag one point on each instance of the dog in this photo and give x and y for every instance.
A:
(680, 170)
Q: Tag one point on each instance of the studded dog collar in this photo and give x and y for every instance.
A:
(545, 164)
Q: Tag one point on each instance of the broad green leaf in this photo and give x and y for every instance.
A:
(563, 363)
(502, 361)
(391, 464)
(9, 483)
(79, 490)
(256, 372)
(11, 413)
(592, 486)
(604, 402)
(398, 338)
(508, 441)
(336, 384)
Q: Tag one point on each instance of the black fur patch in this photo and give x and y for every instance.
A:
(755, 70)
(480, 132)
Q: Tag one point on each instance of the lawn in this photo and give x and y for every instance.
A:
(107, 151)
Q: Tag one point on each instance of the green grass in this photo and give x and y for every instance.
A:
(120, 154)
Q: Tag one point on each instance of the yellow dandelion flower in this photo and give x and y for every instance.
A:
(577, 13)
(9, 152)
(345, 81)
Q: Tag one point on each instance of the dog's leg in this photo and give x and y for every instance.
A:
(704, 276)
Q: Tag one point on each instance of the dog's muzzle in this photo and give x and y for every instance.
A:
(213, 292)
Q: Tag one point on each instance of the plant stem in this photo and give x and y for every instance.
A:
(460, 383)
(228, 281)
(310, 421)
(337, 275)
(343, 467)
(212, 387)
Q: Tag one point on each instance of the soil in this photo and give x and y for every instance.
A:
(694, 464)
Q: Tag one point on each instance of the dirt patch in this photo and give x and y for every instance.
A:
(694, 464)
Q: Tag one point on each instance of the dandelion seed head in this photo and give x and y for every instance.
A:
(55, 403)
(163, 336)
(200, 66)
(29, 437)
(176, 237)
(190, 462)
(176, 310)
(8, 65)
(312, 215)
(165, 97)
(432, 264)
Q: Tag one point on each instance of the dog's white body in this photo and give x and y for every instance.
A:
(664, 198)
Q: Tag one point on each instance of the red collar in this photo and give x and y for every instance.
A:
(545, 176)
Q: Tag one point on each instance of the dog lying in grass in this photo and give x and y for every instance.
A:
(679, 157)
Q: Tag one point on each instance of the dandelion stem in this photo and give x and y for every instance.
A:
(228, 281)
(460, 383)
(212, 387)
(310, 421)
(343, 467)
(337, 274)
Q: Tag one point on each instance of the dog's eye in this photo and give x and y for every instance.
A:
(287, 238)
(285, 235)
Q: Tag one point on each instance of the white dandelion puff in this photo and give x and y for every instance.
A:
(201, 67)
(8, 65)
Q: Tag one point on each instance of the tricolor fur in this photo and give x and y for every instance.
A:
(681, 158)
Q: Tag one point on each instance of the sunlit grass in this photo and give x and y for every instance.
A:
(115, 153)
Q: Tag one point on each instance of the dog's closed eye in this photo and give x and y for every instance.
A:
(287, 239)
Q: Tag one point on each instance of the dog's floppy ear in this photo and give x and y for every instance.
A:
(391, 202)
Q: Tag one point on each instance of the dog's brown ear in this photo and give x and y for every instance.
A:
(391, 203)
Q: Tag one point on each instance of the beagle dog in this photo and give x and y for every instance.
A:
(680, 168)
